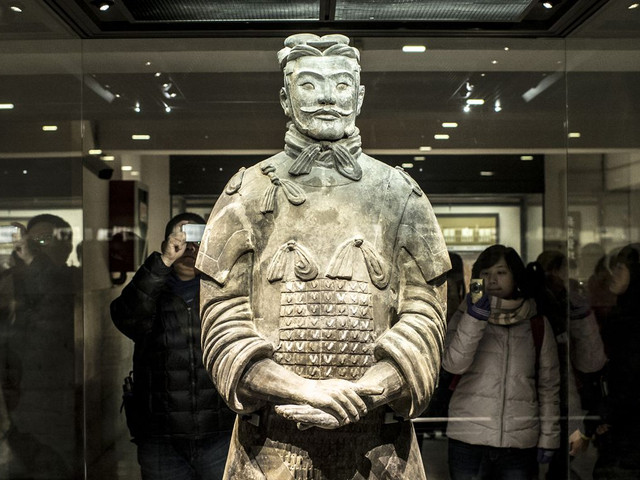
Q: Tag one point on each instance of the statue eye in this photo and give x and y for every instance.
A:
(343, 86)
(307, 86)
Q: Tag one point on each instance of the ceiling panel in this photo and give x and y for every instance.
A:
(221, 10)
(434, 10)
(206, 18)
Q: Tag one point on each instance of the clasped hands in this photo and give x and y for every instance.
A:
(329, 404)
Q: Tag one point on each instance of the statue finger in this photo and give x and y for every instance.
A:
(357, 403)
(368, 390)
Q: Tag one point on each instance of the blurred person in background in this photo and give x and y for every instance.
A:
(38, 304)
(580, 351)
(618, 450)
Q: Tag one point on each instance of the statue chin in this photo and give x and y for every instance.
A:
(329, 133)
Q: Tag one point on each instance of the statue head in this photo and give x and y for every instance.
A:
(322, 93)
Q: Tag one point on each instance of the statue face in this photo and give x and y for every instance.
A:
(323, 96)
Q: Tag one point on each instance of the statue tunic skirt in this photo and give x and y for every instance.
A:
(325, 273)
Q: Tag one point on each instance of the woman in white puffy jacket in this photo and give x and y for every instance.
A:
(503, 415)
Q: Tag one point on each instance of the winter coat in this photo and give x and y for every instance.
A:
(499, 400)
(173, 393)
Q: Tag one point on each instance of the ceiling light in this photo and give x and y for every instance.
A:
(497, 106)
(441, 136)
(466, 109)
(574, 134)
(420, 158)
(16, 8)
(6, 106)
(449, 125)
(634, 5)
(140, 137)
(135, 173)
(95, 151)
(126, 168)
(526, 158)
(506, 49)
(414, 49)
(549, 4)
(137, 108)
(425, 148)
(49, 128)
(487, 173)
(407, 165)
(494, 62)
(475, 101)
(103, 5)
(107, 158)
(167, 108)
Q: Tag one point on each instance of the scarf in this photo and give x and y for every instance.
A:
(307, 152)
(508, 311)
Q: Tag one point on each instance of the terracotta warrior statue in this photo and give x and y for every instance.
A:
(324, 297)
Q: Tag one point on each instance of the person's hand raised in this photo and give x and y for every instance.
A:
(20, 245)
(174, 246)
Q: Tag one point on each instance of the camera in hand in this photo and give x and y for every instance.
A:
(194, 232)
(476, 288)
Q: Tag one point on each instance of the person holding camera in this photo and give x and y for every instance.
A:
(503, 414)
(176, 417)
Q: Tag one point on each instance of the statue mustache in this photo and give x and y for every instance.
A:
(331, 110)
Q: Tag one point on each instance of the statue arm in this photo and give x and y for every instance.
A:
(230, 341)
(411, 349)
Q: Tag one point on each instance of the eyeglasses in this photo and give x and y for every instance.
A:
(61, 234)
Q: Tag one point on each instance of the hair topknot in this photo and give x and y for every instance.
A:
(309, 44)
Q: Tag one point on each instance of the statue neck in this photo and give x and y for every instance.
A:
(308, 152)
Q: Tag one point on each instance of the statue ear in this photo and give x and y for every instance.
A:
(284, 101)
(360, 98)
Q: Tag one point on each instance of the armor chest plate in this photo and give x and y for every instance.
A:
(326, 328)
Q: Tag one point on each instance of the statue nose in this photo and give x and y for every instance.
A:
(327, 97)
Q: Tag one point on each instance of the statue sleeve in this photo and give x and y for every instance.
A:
(230, 341)
(415, 341)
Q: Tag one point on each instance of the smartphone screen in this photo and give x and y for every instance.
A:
(194, 231)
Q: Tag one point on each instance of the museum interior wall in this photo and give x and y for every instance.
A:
(550, 159)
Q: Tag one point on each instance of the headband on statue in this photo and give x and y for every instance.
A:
(308, 44)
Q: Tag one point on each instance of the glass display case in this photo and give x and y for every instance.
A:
(527, 141)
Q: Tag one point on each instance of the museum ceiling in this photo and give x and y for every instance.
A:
(153, 18)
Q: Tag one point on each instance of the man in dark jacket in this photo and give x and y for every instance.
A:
(179, 422)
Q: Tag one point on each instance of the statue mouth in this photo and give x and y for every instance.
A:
(327, 113)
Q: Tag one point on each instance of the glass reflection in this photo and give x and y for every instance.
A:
(571, 104)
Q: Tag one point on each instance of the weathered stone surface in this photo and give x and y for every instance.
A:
(324, 298)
